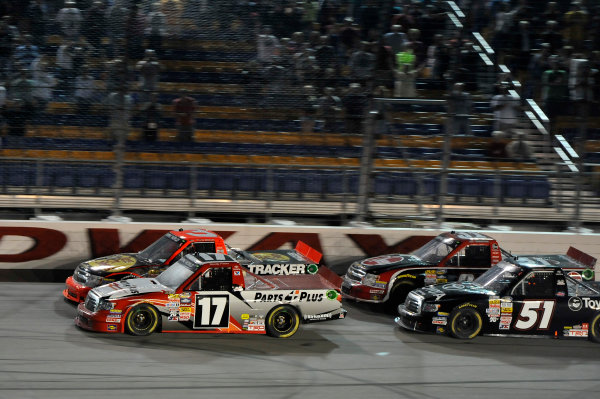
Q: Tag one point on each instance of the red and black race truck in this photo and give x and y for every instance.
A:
(449, 257)
(172, 247)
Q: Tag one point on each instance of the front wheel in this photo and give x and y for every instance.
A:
(142, 320)
(595, 329)
(465, 322)
(398, 295)
(282, 322)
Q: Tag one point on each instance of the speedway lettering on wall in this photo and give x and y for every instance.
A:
(49, 245)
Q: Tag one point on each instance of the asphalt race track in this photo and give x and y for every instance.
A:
(44, 355)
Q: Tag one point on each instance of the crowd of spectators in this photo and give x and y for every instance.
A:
(328, 58)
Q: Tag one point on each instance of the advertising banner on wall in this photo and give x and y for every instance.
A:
(40, 245)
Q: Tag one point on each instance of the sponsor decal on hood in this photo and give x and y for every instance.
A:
(112, 263)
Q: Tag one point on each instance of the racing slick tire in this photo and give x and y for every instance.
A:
(398, 295)
(282, 322)
(595, 329)
(143, 319)
(465, 322)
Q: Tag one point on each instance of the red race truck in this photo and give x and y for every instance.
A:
(173, 246)
(211, 293)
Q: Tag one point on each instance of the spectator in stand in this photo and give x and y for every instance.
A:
(185, 110)
(362, 65)
(116, 21)
(395, 39)
(85, 91)
(156, 28)
(267, 46)
(405, 85)
(26, 52)
(95, 25)
(575, 21)
(82, 50)
(506, 110)
(523, 41)
(325, 54)
(134, 33)
(384, 66)
(349, 38)
(555, 92)
(69, 18)
(552, 36)
(37, 13)
(44, 82)
(369, 18)
(581, 85)
(149, 74)
(437, 60)
(416, 46)
(460, 109)
(8, 40)
(151, 114)
(20, 103)
(496, 149)
(537, 65)
(2, 106)
(503, 25)
(64, 66)
(330, 107)
(355, 103)
(519, 149)
(120, 104)
(309, 108)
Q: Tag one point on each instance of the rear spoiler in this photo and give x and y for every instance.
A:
(581, 257)
(308, 251)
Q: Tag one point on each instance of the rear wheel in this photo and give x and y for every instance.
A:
(142, 320)
(283, 322)
(465, 322)
(595, 329)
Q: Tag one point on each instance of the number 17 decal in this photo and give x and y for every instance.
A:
(212, 311)
(535, 314)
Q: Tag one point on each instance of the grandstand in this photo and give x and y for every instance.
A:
(251, 154)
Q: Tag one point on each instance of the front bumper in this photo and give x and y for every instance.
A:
(362, 293)
(413, 322)
(101, 321)
(75, 291)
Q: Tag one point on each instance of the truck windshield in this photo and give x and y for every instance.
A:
(499, 277)
(436, 250)
(176, 275)
(161, 250)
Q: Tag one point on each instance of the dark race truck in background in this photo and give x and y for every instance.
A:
(528, 299)
(173, 246)
(449, 257)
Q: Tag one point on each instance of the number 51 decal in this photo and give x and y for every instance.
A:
(535, 314)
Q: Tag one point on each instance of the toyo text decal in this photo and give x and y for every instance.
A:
(47, 242)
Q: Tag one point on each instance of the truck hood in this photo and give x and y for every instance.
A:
(383, 263)
(448, 291)
(112, 264)
(130, 287)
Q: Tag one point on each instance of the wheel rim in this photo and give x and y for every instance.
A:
(283, 321)
(142, 319)
(465, 323)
